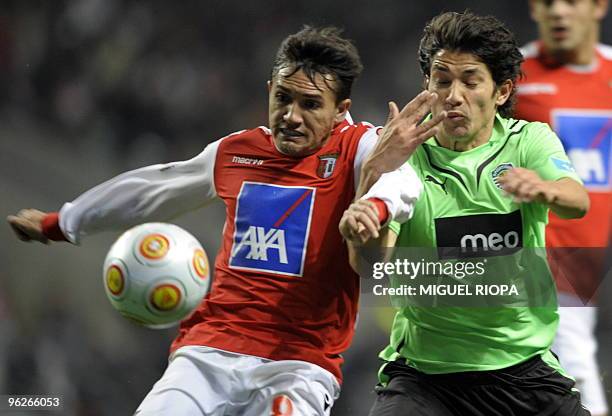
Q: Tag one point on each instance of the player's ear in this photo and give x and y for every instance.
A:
(601, 9)
(532, 9)
(269, 86)
(426, 82)
(341, 109)
(503, 92)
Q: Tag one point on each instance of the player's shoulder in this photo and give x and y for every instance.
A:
(351, 136)
(525, 132)
(260, 131)
(530, 50)
(515, 125)
(350, 128)
(254, 137)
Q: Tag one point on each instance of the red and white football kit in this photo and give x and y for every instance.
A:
(577, 102)
(283, 288)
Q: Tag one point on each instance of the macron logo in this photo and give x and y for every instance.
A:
(259, 240)
(494, 241)
(247, 161)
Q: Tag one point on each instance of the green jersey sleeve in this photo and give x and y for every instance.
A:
(544, 154)
(395, 227)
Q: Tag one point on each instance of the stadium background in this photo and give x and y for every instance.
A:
(91, 88)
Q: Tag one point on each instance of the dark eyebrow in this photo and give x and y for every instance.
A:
(469, 71)
(440, 68)
(310, 96)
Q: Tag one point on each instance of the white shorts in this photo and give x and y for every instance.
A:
(207, 381)
(576, 346)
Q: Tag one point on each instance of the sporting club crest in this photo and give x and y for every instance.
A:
(500, 171)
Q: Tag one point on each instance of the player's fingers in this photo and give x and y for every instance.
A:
(18, 225)
(33, 214)
(353, 225)
(418, 101)
(525, 192)
(393, 111)
(363, 234)
(368, 208)
(417, 115)
(372, 212)
(27, 230)
(508, 182)
(371, 226)
(430, 128)
(432, 122)
(348, 226)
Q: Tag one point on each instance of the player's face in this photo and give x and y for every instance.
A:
(567, 25)
(302, 113)
(467, 92)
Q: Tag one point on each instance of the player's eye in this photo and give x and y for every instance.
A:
(282, 98)
(311, 104)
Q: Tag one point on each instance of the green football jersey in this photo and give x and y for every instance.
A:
(461, 213)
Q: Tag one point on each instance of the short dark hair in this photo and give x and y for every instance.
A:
(484, 36)
(321, 51)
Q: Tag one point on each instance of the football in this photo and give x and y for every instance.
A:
(156, 274)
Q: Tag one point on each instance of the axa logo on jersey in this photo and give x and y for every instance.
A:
(481, 235)
(260, 240)
(587, 139)
(272, 224)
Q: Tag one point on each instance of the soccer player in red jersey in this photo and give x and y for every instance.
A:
(568, 84)
(268, 338)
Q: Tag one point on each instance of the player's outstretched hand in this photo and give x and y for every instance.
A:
(27, 225)
(402, 133)
(360, 223)
(526, 186)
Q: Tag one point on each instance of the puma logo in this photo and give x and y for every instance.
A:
(442, 185)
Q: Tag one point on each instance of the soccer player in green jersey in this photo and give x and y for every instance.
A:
(489, 181)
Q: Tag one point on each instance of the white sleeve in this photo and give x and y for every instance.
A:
(367, 142)
(153, 193)
(399, 190)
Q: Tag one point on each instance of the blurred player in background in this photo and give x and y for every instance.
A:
(268, 338)
(568, 84)
(493, 360)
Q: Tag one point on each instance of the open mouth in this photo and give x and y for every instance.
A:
(559, 32)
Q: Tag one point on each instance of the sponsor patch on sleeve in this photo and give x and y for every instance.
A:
(564, 165)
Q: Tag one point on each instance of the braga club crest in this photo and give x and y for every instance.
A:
(327, 163)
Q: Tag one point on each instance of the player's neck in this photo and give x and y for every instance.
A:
(462, 144)
(582, 55)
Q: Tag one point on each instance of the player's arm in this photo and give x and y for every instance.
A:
(381, 161)
(399, 138)
(547, 175)
(153, 193)
(375, 250)
(565, 197)
(363, 224)
(366, 240)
